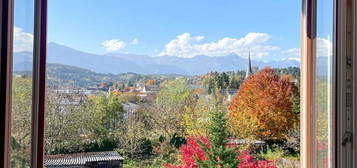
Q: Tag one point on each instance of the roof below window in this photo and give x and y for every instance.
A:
(78, 159)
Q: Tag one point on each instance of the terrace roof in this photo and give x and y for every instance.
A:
(81, 158)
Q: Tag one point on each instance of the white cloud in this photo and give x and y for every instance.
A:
(295, 52)
(23, 42)
(188, 46)
(135, 41)
(324, 47)
(113, 45)
(292, 58)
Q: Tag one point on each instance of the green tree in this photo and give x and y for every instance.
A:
(109, 113)
(75, 123)
(217, 153)
(197, 118)
(135, 133)
(21, 122)
(67, 115)
(171, 103)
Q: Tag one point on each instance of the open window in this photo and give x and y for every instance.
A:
(103, 92)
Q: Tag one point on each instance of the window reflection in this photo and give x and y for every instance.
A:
(22, 84)
(323, 82)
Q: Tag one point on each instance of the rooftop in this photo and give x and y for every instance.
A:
(81, 158)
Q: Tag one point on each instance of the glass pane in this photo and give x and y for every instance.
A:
(323, 82)
(22, 84)
(147, 79)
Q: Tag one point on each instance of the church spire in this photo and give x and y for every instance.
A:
(249, 67)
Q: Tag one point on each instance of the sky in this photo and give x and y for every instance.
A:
(268, 29)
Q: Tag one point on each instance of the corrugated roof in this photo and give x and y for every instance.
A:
(81, 158)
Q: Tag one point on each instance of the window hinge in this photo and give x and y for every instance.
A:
(347, 138)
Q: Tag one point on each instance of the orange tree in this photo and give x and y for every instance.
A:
(263, 107)
(150, 82)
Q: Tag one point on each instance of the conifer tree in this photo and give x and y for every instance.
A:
(218, 154)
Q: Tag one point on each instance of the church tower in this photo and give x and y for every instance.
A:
(249, 68)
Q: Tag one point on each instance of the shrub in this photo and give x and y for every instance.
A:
(191, 153)
(177, 141)
(249, 161)
(272, 153)
(146, 148)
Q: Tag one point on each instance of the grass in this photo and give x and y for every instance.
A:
(149, 163)
(272, 154)
(282, 160)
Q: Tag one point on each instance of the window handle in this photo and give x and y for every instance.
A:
(347, 138)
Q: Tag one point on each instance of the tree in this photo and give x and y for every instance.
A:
(134, 135)
(126, 97)
(21, 122)
(222, 81)
(109, 112)
(150, 82)
(166, 116)
(197, 118)
(169, 106)
(218, 154)
(75, 123)
(263, 107)
(214, 151)
(68, 115)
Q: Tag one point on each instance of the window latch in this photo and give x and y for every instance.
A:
(347, 138)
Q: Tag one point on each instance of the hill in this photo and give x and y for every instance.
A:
(71, 76)
(143, 64)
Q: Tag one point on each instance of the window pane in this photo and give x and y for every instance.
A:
(22, 84)
(323, 82)
(144, 78)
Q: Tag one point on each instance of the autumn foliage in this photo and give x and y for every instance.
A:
(191, 153)
(150, 82)
(262, 109)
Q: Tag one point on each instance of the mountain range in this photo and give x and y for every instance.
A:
(143, 64)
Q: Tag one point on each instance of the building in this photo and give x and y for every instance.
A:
(109, 159)
(145, 91)
(230, 93)
(150, 89)
(249, 68)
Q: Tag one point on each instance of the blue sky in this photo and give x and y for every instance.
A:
(270, 29)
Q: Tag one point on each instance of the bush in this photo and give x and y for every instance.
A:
(177, 141)
(146, 148)
(106, 145)
(249, 161)
(272, 153)
(165, 151)
(191, 153)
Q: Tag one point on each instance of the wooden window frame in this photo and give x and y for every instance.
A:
(344, 96)
(346, 83)
(6, 35)
(39, 84)
(343, 115)
(308, 48)
(308, 86)
(308, 27)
